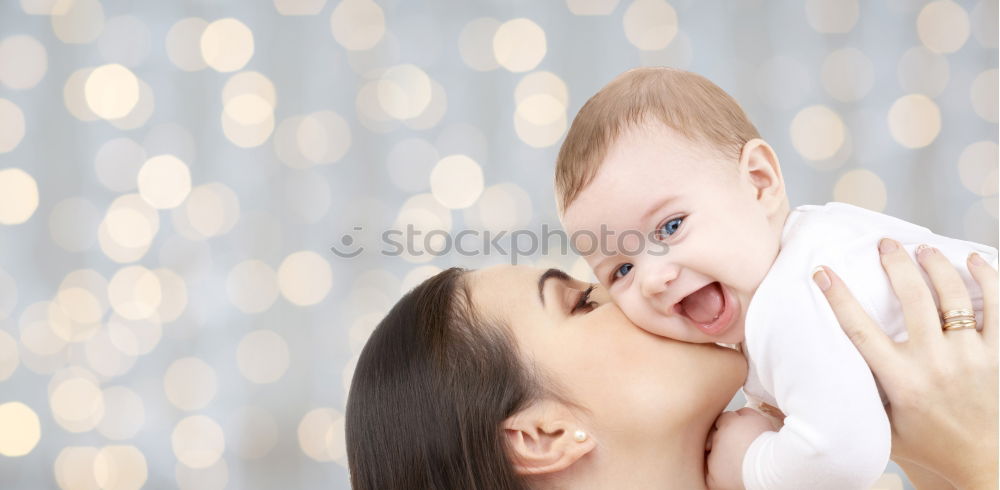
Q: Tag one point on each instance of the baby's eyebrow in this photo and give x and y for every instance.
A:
(549, 274)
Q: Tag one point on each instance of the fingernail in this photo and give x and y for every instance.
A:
(976, 259)
(886, 245)
(925, 249)
(821, 278)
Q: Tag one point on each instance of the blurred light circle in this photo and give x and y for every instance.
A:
(125, 40)
(9, 358)
(124, 414)
(18, 196)
(247, 135)
(984, 95)
(104, 358)
(425, 214)
(540, 120)
(74, 97)
(227, 45)
(8, 294)
(306, 196)
(111, 91)
(80, 304)
(503, 206)
(847, 74)
(357, 24)
(650, 25)
(120, 468)
(984, 24)
(252, 286)
(409, 164)
(249, 83)
(45, 7)
(134, 337)
(11, 125)
(174, 295)
(24, 62)
(299, 7)
(922, 71)
(519, 45)
(130, 222)
(80, 22)
(211, 209)
(475, 44)
(832, 16)
(142, 111)
(592, 7)
(914, 120)
(118, 162)
(304, 278)
(37, 336)
(434, 111)
(190, 383)
(134, 292)
(404, 91)
(74, 468)
(198, 441)
(784, 82)
(60, 319)
(77, 404)
(213, 477)
(164, 181)
(184, 44)
(248, 109)
(862, 188)
(977, 168)
(254, 432)
(370, 111)
(19, 429)
(262, 356)
(542, 83)
(456, 181)
(943, 26)
(817, 132)
(323, 137)
(313, 433)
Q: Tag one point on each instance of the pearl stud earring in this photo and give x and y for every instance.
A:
(580, 436)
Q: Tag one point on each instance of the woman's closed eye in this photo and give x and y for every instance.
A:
(669, 227)
(584, 304)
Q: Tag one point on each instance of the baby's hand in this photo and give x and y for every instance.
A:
(734, 433)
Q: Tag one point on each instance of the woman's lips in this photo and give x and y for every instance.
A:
(710, 308)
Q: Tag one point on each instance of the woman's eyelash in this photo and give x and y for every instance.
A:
(584, 300)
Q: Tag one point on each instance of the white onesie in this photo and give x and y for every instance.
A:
(836, 433)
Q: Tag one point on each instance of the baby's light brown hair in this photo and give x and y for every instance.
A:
(686, 102)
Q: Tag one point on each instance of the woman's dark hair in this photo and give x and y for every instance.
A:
(430, 392)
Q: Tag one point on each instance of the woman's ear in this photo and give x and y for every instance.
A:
(545, 438)
(759, 164)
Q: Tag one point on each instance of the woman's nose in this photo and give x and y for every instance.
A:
(658, 278)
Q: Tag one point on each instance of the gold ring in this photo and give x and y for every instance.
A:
(957, 313)
(959, 324)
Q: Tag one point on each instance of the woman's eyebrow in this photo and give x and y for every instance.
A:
(556, 273)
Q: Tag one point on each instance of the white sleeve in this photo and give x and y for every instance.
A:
(836, 434)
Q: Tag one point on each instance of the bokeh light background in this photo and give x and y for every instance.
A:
(172, 175)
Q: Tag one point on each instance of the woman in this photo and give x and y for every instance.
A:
(510, 378)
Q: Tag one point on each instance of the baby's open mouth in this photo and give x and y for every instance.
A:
(709, 308)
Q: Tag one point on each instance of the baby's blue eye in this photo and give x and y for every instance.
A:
(622, 271)
(670, 227)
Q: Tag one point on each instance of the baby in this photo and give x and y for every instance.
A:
(669, 154)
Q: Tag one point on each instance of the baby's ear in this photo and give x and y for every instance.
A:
(759, 164)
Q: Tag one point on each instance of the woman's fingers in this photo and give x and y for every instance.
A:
(950, 288)
(872, 343)
(919, 310)
(986, 276)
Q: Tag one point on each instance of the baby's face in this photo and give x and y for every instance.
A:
(719, 242)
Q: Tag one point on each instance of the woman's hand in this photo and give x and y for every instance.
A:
(941, 385)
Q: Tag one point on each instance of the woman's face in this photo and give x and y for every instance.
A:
(638, 389)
